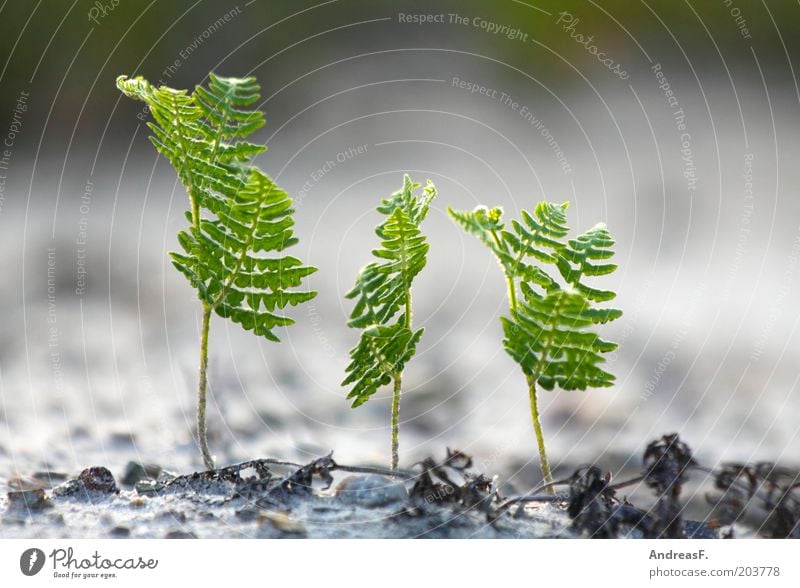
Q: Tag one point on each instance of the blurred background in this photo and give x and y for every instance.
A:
(676, 123)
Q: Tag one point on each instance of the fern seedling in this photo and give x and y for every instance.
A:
(383, 301)
(549, 328)
(240, 220)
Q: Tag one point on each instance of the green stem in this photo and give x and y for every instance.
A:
(398, 379)
(537, 427)
(195, 202)
(500, 244)
(396, 420)
(512, 292)
(398, 384)
(201, 390)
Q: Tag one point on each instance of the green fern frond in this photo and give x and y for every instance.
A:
(416, 206)
(381, 352)
(382, 293)
(538, 240)
(239, 218)
(383, 301)
(221, 257)
(201, 134)
(238, 211)
(579, 258)
(176, 128)
(548, 337)
(223, 105)
(548, 332)
(381, 287)
(484, 224)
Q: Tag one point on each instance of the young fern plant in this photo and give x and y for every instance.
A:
(551, 315)
(383, 302)
(239, 219)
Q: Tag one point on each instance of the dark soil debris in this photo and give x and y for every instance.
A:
(767, 496)
(592, 504)
(436, 498)
(667, 461)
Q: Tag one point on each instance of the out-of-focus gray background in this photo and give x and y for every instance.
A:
(707, 219)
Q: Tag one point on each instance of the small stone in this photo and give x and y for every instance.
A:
(177, 516)
(29, 500)
(248, 514)
(50, 477)
(95, 480)
(119, 532)
(180, 535)
(98, 479)
(146, 487)
(135, 472)
(282, 522)
(370, 491)
(138, 501)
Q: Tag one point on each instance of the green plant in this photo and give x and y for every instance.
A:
(237, 215)
(548, 330)
(383, 301)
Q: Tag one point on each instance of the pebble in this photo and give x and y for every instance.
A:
(50, 477)
(136, 471)
(282, 522)
(148, 487)
(120, 532)
(248, 514)
(98, 479)
(371, 490)
(95, 480)
(29, 500)
(180, 535)
(36, 480)
(177, 516)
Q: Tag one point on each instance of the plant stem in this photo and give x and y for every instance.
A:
(398, 384)
(397, 377)
(512, 293)
(195, 202)
(408, 308)
(537, 427)
(201, 389)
